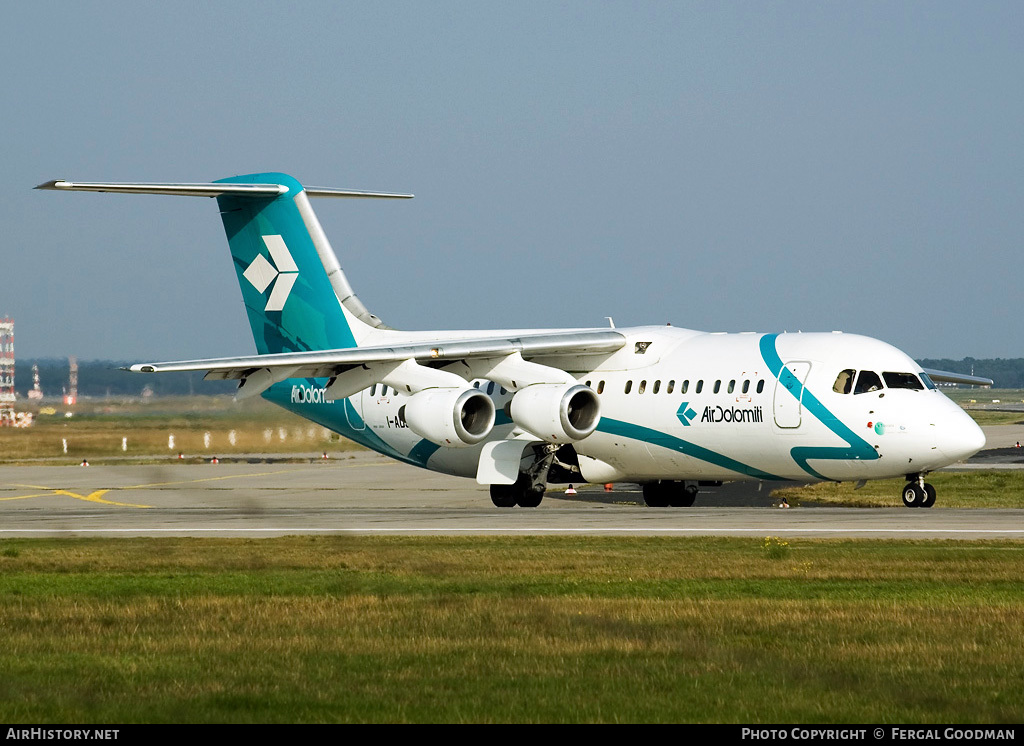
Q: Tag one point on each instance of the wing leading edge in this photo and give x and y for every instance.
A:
(412, 365)
(945, 376)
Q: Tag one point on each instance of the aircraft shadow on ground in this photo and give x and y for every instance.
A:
(731, 495)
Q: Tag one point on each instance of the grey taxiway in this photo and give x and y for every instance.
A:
(363, 493)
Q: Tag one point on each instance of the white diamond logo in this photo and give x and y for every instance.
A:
(261, 273)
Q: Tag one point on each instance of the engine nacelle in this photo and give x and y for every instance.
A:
(450, 417)
(556, 412)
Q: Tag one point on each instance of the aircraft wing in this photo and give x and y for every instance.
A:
(421, 360)
(944, 376)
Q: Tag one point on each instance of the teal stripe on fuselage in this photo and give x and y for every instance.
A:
(332, 416)
(658, 438)
(858, 449)
(422, 451)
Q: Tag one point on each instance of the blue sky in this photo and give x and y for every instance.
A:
(720, 166)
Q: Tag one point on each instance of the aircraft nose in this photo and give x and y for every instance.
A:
(961, 436)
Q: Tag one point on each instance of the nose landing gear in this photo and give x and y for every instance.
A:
(917, 493)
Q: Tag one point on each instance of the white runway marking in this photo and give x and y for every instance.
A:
(532, 530)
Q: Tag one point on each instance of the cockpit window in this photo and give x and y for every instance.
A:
(928, 383)
(867, 382)
(902, 381)
(844, 381)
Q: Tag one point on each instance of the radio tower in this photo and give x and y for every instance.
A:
(36, 392)
(72, 396)
(6, 372)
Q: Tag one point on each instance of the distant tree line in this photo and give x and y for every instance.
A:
(99, 378)
(1008, 373)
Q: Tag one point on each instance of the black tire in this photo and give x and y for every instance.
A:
(531, 498)
(929, 496)
(655, 495)
(913, 495)
(683, 497)
(503, 495)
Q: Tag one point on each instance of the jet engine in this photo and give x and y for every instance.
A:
(450, 417)
(556, 412)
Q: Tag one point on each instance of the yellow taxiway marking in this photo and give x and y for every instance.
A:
(93, 497)
(241, 476)
(97, 496)
(206, 479)
(26, 497)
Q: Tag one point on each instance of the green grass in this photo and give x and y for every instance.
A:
(985, 417)
(969, 396)
(965, 489)
(362, 629)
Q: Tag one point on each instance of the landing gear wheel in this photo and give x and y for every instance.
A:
(929, 496)
(914, 495)
(523, 493)
(683, 498)
(503, 495)
(665, 494)
(655, 495)
(531, 498)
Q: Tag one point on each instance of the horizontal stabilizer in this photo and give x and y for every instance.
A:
(217, 189)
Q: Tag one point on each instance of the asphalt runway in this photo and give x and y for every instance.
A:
(369, 494)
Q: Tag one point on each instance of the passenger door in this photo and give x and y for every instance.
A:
(789, 391)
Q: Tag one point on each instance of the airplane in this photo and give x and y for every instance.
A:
(669, 408)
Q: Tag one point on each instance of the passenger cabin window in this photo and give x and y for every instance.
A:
(373, 390)
(844, 381)
(718, 385)
(657, 386)
(600, 387)
(671, 385)
(760, 386)
(902, 381)
(700, 386)
(746, 386)
(867, 382)
(490, 387)
(732, 386)
(629, 385)
(642, 388)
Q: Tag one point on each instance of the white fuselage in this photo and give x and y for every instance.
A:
(677, 404)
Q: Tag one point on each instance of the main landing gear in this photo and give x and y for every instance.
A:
(523, 493)
(917, 493)
(528, 489)
(670, 494)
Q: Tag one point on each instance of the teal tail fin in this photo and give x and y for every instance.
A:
(289, 299)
